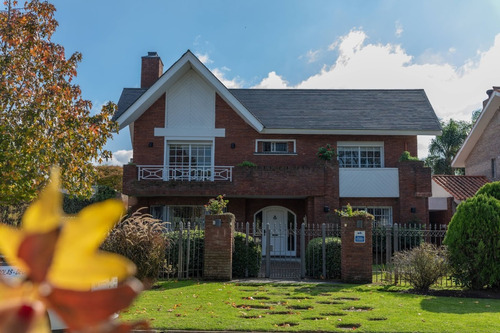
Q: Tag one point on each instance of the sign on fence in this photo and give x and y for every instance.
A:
(359, 236)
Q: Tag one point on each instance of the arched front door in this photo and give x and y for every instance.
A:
(282, 226)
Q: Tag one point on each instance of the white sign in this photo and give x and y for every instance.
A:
(359, 236)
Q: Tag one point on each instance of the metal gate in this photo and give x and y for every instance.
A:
(295, 254)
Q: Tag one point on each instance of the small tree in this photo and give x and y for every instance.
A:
(444, 147)
(473, 241)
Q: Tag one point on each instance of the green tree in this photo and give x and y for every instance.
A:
(44, 120)
(111, 176)
(443, 148)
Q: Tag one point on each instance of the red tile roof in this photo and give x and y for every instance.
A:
(460, 187)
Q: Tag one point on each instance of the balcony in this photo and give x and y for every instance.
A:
(261, 181)
(369, 183)
(185, 173)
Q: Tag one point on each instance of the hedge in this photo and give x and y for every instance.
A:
(314, 263)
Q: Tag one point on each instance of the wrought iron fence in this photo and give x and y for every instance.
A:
(388, 240)
(184, 255)
(298, 253)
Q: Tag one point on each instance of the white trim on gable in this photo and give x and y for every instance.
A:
(181, 132)
(487, 114)
(185, 63)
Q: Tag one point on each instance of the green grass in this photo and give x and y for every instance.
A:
(193, 305)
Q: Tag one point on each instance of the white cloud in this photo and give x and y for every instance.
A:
(220, 73)
(272, 81)
(399, 29)
(311, 56)
(204, 58)
(120, 157)
(453, 91)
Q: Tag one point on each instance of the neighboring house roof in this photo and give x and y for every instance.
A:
(460, 187)
(487, 114)
(299, 111)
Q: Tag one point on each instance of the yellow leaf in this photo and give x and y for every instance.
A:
(45, 213)
(9, 248)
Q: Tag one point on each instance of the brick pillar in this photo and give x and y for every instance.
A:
(219, 243)
(356, 251)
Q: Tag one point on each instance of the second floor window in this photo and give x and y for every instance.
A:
(190, 161)
(360, 156)
(275, 147)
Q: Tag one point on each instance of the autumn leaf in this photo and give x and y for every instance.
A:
(62, 266)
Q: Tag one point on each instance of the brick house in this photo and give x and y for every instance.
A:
(190, 135)
(480, 153)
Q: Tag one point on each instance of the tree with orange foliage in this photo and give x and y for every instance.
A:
(44, 120)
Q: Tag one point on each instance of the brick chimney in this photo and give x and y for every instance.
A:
(151, 70)
(489, 93)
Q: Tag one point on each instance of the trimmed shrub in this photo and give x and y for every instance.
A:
(491, 189)
(422, 266)
(473, 241)
(314, 263)
(140, 239)
(246, 257)
(406, 156)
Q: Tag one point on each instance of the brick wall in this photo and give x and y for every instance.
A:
(356, 258)
(414, 191)
(487, 148)
(219, 244)
(244, 137)
(144, 134)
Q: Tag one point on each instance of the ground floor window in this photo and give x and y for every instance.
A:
(175, 213)
(383, 215)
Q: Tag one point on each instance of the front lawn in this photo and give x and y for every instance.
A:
(199, 305)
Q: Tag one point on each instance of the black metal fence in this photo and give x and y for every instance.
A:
(298, 253)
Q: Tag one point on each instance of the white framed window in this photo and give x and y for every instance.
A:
(189, 160)
(360, 154)
(275, 147)
(383, 215)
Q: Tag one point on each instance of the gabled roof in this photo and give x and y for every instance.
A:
(460, 187)
(141, 99)
(341, 111)
(299, 111)
(487, 114)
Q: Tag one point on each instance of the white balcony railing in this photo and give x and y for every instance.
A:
(369, 183)
(185, 173)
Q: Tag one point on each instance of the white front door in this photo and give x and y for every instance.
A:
(280, 234)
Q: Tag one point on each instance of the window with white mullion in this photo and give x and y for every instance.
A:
(359, 156)
(190, 161)
(382, 215)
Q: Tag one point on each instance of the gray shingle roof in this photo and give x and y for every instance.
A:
(127, 98)
(392, 110)
(340, 109)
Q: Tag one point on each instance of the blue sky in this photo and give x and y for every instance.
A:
(449, 48)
